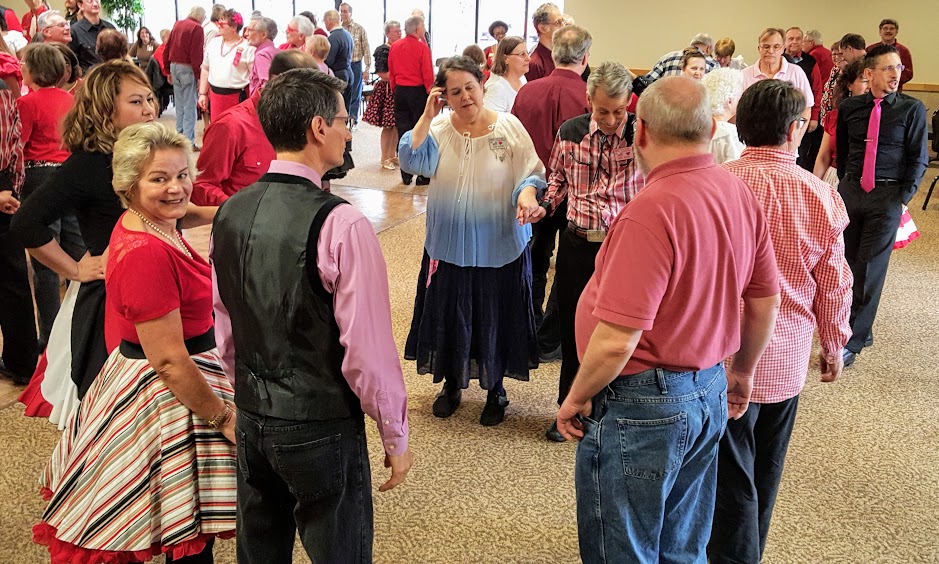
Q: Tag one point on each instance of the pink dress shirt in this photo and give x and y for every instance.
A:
(352, 269)
(261, 68)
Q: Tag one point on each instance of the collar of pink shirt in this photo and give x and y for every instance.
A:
(296, 169)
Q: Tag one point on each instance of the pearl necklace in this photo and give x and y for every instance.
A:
(176, 240)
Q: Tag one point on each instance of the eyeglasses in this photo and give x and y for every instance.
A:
(347, 121)
(292, 29)
(60, 24)
(800, 122)
(523, 55)
(222, 23)
(837, 55)
(771, 48)
(891, 68)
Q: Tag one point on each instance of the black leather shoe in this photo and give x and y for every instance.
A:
(494, 412)
(553, 435)
(422, 181)
(550, 356)
(447, 401)
(870, 341)
(849, 358)
(406, 178)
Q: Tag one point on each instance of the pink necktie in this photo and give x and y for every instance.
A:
(870, 150)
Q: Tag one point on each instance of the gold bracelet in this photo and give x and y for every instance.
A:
(220, 419)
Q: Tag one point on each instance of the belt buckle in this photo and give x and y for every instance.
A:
(596, 236)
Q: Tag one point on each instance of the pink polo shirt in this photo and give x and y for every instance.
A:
(676, 263)
(352, 268)
(788, 72)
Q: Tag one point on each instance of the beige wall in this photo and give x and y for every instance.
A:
(637, 32)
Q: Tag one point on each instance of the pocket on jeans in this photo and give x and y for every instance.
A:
(312, 470)
(241, 444)
(653, 448)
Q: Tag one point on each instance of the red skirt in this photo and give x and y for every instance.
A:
(218, 103)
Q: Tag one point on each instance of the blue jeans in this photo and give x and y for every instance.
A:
(306, 476)
(646, 470)
(184, 96)
(356, 99)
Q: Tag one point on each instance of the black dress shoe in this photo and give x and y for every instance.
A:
(422, 181)
(553, 435)
(849, 357)
(870, 341)
(549, 356)
(494, 412)
(447, 401)
(406, 178)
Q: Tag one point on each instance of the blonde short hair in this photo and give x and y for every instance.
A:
(318, 46)
(135, 148)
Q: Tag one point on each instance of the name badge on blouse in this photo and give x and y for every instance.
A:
(237, 57)
(498, 146)
(623, 155)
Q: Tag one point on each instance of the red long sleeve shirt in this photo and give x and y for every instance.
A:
(409, 64)
(185, 45)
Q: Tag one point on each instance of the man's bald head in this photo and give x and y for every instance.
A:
(291, 59)
(675, 111)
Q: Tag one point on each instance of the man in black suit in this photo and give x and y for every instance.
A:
(812, 139)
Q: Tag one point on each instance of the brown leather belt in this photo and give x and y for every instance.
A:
(591, 235)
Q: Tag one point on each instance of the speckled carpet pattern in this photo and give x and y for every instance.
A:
(861, 482)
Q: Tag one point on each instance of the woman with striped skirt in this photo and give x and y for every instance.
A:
(147, 464)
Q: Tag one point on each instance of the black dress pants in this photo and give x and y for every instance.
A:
(574, 267)
(808, 150)
(868, 243)
(750, 463)
(409, 105)
(544, 234)
(306, 476)
(17, 318)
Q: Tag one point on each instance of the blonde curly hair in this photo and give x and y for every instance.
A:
(89, 125)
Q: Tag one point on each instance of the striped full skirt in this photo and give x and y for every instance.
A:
(137, 474)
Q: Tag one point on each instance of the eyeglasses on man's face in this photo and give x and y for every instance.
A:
(801, 121)
(891, 68)
(776, 47)
(346, 121)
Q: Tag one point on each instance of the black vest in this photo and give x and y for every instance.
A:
(288, 360)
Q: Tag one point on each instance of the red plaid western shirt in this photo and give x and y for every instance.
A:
(806, 219)
(597, 173)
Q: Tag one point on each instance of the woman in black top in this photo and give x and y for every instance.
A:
(114, 95)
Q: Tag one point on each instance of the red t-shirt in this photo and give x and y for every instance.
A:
(676, 263)
(41, 115)
(147, 277)
(409, 64)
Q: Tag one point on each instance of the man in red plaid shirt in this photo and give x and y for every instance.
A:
(806, 219)
(593, 169)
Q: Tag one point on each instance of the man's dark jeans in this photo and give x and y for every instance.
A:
(306, 476)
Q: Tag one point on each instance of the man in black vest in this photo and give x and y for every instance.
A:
(303, 294)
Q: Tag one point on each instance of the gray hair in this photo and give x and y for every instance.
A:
(303, 25)
(330, 15)
(197, 13)
(411, 24)
(675, 111)
(814, 36)
(722, 85)
(614, 78)
(42, 22)
(571, 44)
(268, 26)
(541, 15)
(390, 24)
(703, 39)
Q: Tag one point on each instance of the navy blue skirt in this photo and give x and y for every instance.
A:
(474, 323)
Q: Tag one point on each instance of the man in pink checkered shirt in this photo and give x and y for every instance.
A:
(806, 219)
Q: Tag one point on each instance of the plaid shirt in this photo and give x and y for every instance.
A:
(806, 218)
(828, 94)
(670, 65)
(360, 48)
(11, 151)
(596, 172)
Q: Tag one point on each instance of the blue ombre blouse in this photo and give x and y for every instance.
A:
(474, 187)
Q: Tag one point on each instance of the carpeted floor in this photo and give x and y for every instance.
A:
(861, 482)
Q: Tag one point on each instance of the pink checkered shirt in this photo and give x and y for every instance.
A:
(596, 172)
(806, 219)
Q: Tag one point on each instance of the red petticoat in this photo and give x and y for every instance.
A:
(65, 553)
